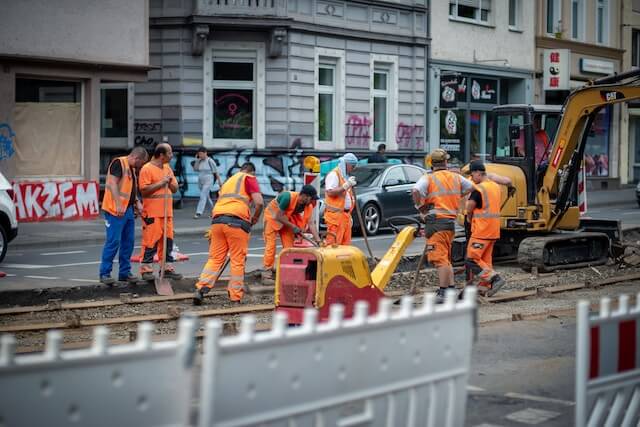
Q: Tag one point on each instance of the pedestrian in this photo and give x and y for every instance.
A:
(379, 156)
(121, 205)
(157, 184)
(287, 216)
(340, 201)
(230, 231)
(437, 196)
(207, 177)
(483, 213)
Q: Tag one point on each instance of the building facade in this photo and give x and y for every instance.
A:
(630, 129)
(578, 41)
(54, 59)
(481, 56)
(272, 81)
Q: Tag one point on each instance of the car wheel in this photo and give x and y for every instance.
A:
(4, 242)
(371, 216)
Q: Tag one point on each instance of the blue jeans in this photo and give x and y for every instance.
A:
(120, 236)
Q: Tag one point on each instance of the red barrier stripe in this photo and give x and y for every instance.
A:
(627, 345)
(595, 352)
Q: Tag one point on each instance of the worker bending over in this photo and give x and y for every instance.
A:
(483, 212)
(229, 233)
(437, 196)
(340, 201)
(157, 185)
(288, 215)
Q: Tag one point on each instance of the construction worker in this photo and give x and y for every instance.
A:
(121, 205)
(230, 231)
(157, 184)
(437, 196)
(340, 201)
(288, 215)
(483, 213)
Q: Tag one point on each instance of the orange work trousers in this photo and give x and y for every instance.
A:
(480, 258)
(226, 240)
(439, 248)
(339, 233)
(270, 235)
(152, 229)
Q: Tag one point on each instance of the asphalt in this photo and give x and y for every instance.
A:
(63, 233)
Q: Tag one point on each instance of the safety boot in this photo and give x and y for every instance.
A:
(198, 296)
(170, 274)
(496, 283)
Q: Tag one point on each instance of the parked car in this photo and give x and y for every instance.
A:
(8, 219)
(638, 194)
(383, 191)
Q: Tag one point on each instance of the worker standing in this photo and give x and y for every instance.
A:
(437, 196)
(157, 184)
(121, 205)
(287, 216)
(339, 201)
(483, 212)
(230, 232)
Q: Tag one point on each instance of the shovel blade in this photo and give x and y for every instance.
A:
(163, 287)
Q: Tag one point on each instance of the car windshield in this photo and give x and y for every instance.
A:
(367, 177)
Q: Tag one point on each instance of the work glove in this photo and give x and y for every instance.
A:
(351, 182)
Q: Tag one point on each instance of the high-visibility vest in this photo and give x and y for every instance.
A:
(334, 205)
(486, 220)
(298, 219)
(444, 193)
(122, 191)
(233, 199)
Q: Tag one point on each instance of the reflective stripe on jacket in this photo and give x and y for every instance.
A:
(334, 205)
(233, 198)
(486, 221)
(120, 191)
(444, 194)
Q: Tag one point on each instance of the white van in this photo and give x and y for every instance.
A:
(8, 219)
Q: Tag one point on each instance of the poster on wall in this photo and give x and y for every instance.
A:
(452, 126)
(448, 90)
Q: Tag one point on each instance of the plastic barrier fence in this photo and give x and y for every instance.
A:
(608, 365)
(137, 384)
(406, 367)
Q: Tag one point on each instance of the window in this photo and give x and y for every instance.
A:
(602, 21)
(329, 98)
(326, 102)
(635, 48)
(554, 17)
(577, 19)
(514, 14)
(477, 11)
(380, 105)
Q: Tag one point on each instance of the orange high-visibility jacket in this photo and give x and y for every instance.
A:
(153, 204)
(122, 191)
(233, 198)
(335, 204)
(486, 221)
(300, 220)
(444, 193)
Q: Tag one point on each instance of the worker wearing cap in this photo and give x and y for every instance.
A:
(230, 231)
(437, 196)
(287, 216)
(483, 212)
(340, 201)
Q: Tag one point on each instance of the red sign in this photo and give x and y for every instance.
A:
(56, 200)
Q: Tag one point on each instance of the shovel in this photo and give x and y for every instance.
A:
(163, 286)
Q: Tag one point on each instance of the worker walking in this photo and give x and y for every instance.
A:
(340, 201)
(230, 232)
(483, 213)
(157, 184)
(121, 205)
(287, 216)
(438, 196)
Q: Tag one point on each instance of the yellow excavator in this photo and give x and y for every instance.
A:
(540, 220)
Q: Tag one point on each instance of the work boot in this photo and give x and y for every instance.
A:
(107, 280)
(148, 276)
(170, 274)
(132, 279)
(496, 283)
(198, 296)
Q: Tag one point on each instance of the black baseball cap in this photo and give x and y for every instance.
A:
(310, 191)
(477, 166)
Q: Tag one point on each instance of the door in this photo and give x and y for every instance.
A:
(393, 195)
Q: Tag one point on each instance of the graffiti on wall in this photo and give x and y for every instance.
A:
(56, 200)
(6, 141)
(410, 137)
(147, 133)
(358, 131)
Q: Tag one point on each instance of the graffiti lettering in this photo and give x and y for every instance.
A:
(358, 133)
(6, 141)
(56, 201)
(410, 137)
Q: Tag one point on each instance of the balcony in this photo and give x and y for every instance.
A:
(243, 8)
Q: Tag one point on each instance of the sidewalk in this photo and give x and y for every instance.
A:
(64, 233)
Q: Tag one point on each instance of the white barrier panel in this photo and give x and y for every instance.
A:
(137, 384)
(407, 367)
(608, 365)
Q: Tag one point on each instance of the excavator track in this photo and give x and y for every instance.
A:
(563, 251)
